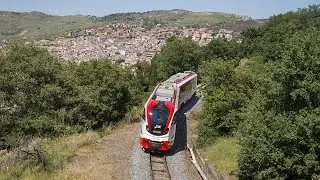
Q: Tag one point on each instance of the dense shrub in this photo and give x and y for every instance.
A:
(280, 146)
(106, 93)
(143, 72)
(270, 40)
(177, 56)
(41, 95)
(220, 98)
(222, 48)
(271, 102)
(228, 90)
(298, 73)
(279, 137)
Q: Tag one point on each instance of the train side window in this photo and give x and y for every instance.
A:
(183, 88)
(188, 86)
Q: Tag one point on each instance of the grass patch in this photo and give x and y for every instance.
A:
(223, 154)
(195, 114)
(62, 149)
(57, 153)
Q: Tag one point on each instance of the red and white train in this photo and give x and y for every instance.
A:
(158, 127)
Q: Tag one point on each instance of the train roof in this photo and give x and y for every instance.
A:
(165, 91)
(179, 77)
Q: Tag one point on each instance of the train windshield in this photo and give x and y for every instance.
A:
(159, 117)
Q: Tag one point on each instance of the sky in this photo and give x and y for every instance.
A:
(254, 8)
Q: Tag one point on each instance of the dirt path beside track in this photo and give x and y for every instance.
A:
(108, 159)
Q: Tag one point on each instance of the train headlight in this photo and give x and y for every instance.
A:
(145, 143)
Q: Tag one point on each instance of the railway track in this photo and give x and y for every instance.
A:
(159, 167)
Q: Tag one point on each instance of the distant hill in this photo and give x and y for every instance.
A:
(174, 17)
(38, 25)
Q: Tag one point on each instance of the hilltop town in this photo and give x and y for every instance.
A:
(123, 37)
(124, 43)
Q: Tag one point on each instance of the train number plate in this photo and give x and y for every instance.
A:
(155, 145)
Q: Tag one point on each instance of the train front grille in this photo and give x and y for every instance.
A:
(155, 145)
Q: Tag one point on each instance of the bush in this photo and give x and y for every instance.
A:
(228, 90)
(298, 73)
(177, 56)
(44, 158)
(280, 146)
(271, 104)
(270, 40)
(222, 48)
(279, 134)
(43, 96)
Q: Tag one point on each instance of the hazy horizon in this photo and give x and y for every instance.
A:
(257, 9)
(124, 12)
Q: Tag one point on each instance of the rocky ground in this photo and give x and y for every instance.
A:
(119, 156)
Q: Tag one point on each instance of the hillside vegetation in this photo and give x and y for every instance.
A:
(43, 96)
(263, 92)
(37, 25)
(43, 100)
(178, 18)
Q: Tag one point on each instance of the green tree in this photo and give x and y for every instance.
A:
(279, 146)
(221, 48)
(143, 70)
(177, 55)
(270, 39)
(33, 86)
(298, 73)
(278, 136)
(229, 89)
(106, 93)
(41, 95)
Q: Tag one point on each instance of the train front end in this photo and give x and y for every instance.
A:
(158, 126)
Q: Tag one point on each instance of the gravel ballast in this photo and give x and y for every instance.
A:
(140, 162)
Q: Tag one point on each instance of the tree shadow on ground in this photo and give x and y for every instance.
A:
(180, 142)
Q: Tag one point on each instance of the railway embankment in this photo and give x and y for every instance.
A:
(199, 159)
(203, 165)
